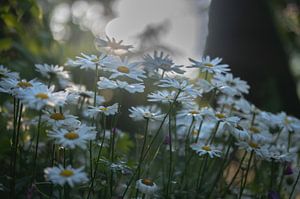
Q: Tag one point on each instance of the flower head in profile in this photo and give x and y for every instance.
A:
(40, 96)
(202, 149)
(123, 68)
(165, 96)
(106, 110)
(145, 112)
(87, 61)
(255, 144)
(60, 175)
(146, 186)
(105, 83)
(231, 86)
(60, 120)
(206, 64)
(15, 87)
(161, 62)
(288, 123)
(112, 46)
(182, 85)
(51, 71)
(70, 138)
(6, 73)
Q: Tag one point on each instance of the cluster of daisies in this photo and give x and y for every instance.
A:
(194, 131)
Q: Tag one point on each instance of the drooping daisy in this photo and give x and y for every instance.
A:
(169, 97)
(60, 120)
(40, 96)
(209, 65)
(105, 83)
(254, 144)
(161, 62)
(145, 112)
(122, 68)
(112, 46)
(87, 61)
(5, 73)
(202, 149)
(288, 123)
(146, 186)
(230, 85)
(72, 138)
(60, 175)
(51, 71)
(15, 86)
(182, 85)
(106, 110)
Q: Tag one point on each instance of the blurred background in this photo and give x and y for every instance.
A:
(259, 39)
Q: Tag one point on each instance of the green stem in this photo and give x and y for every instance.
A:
(142, 153)
(199, 183)
(294, 186)
(171, 158)
(37, 145)
(151, 143)
(236, 174)
(215, 132)
(247, 172)
(98, 158)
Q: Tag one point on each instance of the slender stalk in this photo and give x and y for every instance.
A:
(246, 175)
(236, 174)
(230, 141)
(199, 183)
(294, 186)
(98, 158)
(142, 153)
(215, 132)
(15, 147)
(171, 158)
(199, 130)
(151, 143)
(113, 133)
(37, 145)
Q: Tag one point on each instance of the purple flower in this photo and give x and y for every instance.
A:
(288, 169)
(273, 195)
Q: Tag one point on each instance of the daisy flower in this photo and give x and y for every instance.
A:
(169, 97)
(209, 65)
(106, 110)
(254, 144)
(60, 120)
(50, 71)
(15, 86)
(105, 83)
(182, 85)
(40, 96)
(5, 73)
(60, 175)
(202, 149)
(230, 85)
(146, 186)
(145, 112)
(161, 62)
(288, 123)
(77, 137)
(87, 61)
(122, 68)
(111, 46)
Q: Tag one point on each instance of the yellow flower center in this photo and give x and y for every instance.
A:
(42, 96)
(206, 148)
(103, 109)
(24, 84)
(147, 182)
(71, 135)
(57, 116)
(208, 65)
(194, 112)
(195, 132)
(253, 145)
(287, 121)
(254, 129)
(123, 69)
(66, 173)
(220, 115)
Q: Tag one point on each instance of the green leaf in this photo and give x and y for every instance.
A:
(5, 44)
